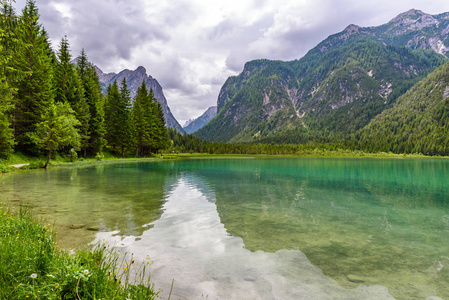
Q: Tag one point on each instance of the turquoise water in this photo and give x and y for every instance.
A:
(299, 228)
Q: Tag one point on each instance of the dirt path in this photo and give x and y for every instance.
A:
(19, 165)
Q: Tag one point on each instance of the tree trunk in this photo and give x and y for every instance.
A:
(48, 159)
(137, 151)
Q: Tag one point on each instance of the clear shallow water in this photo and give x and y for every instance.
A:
(261, 228)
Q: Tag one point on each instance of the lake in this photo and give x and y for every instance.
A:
(275, 228)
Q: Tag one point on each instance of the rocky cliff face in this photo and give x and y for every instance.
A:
(195, 124)
(134, 80)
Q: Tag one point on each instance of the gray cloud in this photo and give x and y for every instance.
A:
(192, 46)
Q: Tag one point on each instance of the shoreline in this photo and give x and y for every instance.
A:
(6, 167)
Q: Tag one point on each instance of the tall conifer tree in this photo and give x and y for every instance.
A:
(8, 75)
(143, 119)
(161, 133)
(6, 105)
(111, 115)
(126, 132)
(69, 88)
(94, 99)
(119, 122)
(34, 90)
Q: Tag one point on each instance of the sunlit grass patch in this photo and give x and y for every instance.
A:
(33, 266)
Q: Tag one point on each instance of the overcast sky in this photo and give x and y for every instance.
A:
(192, 46)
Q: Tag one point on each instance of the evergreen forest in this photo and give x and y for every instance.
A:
(50, 104)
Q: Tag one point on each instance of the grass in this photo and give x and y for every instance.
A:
(33, 267)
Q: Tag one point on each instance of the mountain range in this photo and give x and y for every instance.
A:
(134, 80)
(336, 89)
(195, 124)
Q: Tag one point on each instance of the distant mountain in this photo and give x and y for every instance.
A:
(187, 123)
(195, 124)
(335, 89)
(134, 80)
(417, 123)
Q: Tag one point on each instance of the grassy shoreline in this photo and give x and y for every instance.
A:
(35, 163)
(34, 267)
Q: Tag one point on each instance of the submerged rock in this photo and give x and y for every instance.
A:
(355, 278)
(94, 228)
(77, 226)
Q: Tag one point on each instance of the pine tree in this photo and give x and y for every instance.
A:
(34, 90)
(6, 105)
(119, 121)
(161, 133)
(111, 114)
(125, 118)
(143, 119)
(8, 75)
(94, 99)
(69, 88)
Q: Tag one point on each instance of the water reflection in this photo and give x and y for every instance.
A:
(360, 221)
(190, 244)
(119, 197)
(227, 228)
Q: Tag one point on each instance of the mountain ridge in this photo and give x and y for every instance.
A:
(335, 89)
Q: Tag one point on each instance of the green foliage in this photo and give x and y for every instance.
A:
(119, 124)
(35, 268)
(34, 89)
(57, 130)
(73, 155)
(6, 105)
(99, 156)
(94, 99)
(69, 88)
(189, 143)
(144, 120)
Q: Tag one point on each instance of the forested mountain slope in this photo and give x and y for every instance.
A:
(418, 123)
(334, 90)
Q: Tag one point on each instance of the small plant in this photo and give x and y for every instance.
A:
(73, 155)
(99, 156)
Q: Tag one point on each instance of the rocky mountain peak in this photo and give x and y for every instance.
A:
(414, 20)
(352, 29)
(411, 15)
(141, 70)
